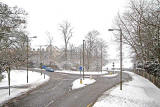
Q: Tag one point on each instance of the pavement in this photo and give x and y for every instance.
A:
(57, 92)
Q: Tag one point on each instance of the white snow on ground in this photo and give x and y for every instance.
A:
(76, 84)
(110, 76)
(39, 69)
(139, 92)
(18, 78)
(86, 73)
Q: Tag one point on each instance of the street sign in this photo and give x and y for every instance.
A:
(80, 68)
(43, 67)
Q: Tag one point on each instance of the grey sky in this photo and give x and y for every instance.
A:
(84, 15)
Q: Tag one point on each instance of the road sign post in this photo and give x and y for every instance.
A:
(80, 69)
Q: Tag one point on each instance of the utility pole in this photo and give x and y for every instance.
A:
(41, 62)
(27, 57)
(41, 58)
(83, 58)
(120, 30)
(27, 52)
(120, 59)
(101, 58)
(113, 67)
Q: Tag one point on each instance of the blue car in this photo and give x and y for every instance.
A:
(49, 69)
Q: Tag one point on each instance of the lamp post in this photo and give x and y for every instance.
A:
(101, 59)
(120, 30)
(41, 62)
(27, 53)
(83, 58)
(113, 67)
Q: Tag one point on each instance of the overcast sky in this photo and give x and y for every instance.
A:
(84, 16)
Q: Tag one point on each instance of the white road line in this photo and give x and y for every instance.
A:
(50, 103)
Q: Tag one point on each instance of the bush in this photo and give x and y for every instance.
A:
(152, 68)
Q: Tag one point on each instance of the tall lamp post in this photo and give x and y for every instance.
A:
(27, 53)
(120, 30)
(113, 67)
(101, 59)
(83, 57)
(41, 62)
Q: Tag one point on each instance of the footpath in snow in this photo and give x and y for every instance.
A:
(139, 92)
(18, 81)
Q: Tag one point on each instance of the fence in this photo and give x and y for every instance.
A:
(154, 79)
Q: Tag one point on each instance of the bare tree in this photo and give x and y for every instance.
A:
(140, 27)
(91, 39)
(66, 31)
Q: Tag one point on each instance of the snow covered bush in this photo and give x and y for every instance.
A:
(152, 68)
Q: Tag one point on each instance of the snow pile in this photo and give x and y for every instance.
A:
(76, 84)
(86, 73)
(38, 69)
(110, 76)
(137, 93)
(18, 78)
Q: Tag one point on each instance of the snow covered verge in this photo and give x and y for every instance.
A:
(136, 93)
(19, 83)
(86, 73)
(112, 75)
(76, 84)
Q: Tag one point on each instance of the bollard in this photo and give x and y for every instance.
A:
(81, 81)
(110, 73)
(90, 76)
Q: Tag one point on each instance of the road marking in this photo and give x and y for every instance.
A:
(50, 103)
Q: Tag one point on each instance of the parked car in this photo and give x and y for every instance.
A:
(49, 69)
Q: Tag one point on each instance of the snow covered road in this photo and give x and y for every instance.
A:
(58, 91)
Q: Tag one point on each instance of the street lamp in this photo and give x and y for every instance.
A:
(41, 62)
(83, 57)
(120, 30)
(27, 53)
(101, 59)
